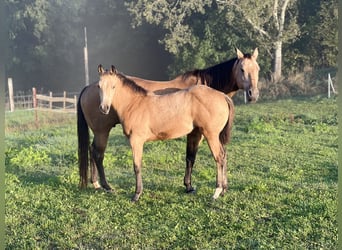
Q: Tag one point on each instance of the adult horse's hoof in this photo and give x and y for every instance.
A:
(191, 191)
(108, 188)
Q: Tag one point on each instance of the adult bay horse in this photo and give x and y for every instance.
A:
(146, 116)
(241, 72)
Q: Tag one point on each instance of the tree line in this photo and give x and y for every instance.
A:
(163, 38)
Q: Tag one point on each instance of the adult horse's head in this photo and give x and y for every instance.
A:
(106, 86)
(246, 72)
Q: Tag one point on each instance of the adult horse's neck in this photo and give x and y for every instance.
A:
(221, 77)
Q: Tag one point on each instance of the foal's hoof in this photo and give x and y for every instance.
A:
(135, 198)
(218, 192)
(97, 185)
(223, 192)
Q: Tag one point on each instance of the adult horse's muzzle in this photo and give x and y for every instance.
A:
(252, 95)
(104, 108)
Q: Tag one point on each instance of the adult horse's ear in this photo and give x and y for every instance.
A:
(100, 69)
(255, 54)
(113, 70)
(239, 54)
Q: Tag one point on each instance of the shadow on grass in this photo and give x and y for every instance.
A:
(329, 173)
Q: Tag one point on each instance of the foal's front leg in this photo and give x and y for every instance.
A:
(137, 150)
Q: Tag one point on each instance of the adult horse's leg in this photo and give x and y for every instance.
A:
(96, 151)
(137, 150)
(219, 154)
(193, 140)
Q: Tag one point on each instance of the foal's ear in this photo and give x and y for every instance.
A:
(100, 69)
(255, 54)
(239, 54)
(113, 70)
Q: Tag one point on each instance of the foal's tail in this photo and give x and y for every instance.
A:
(83, 144)
(226, 131)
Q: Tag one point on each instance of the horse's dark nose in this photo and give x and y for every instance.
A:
(104, 108)
(252, 95)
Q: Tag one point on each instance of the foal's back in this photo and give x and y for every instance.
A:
(173, 115)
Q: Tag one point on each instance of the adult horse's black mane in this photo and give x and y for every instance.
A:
(217, 76)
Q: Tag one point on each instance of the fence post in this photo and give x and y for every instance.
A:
(329, 79)
(85, 51)
(50, 101)
(64, 101)
(10, 93)
(75, 101)
(330, 86)
(34, 97)
(35, 104)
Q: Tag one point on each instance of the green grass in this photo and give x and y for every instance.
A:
(282, 186)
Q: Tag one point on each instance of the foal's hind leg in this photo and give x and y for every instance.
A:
(220, 157)
(193, 140)
(97, 150)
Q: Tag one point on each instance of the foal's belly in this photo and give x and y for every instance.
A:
(172, 133)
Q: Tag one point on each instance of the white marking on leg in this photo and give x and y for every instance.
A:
(96, 185)
(217, 193)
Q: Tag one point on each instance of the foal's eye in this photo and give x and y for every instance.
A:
(242, 70)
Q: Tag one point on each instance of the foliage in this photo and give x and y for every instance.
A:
(201, 34)
(46, 38)
(41, 35)
(46, 43)
(317, 46)
(282, 172)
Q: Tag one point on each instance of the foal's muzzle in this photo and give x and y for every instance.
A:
(104, 108)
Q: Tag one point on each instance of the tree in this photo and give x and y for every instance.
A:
(42, 36)
(269, 22)
(172, 16)
(46, 43)
(326, 34)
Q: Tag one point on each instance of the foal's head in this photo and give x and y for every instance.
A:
(246, 73)
(106, 84)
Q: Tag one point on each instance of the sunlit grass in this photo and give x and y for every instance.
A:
(282, 186)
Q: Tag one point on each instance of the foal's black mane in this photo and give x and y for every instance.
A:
(219, 77)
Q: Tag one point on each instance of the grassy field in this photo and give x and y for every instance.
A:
(282, 173)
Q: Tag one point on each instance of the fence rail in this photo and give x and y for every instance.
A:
(66, 102)
(54, 103)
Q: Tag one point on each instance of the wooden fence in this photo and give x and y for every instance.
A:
(58, 102)
(61, 103)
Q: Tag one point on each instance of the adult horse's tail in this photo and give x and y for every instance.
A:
(226, 131)
(83, 144)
